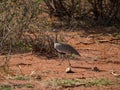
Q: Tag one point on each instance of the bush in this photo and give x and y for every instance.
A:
(23, 27)
(23, 24)
(85, 12)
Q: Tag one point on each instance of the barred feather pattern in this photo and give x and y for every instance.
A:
(65, 48)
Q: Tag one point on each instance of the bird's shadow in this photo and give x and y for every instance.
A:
(88, 68)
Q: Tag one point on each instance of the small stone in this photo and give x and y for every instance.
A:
(68, 70)
(96, 69)
(38, 77)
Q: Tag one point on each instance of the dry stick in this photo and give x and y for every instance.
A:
(1, 43)
(6, 64)
(20, 69)
(8, 56)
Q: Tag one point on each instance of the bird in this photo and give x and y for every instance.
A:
(64, 49)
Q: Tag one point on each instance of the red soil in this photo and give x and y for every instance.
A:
(103, 55)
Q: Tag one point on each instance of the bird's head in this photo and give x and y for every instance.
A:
(55, 30)
(56, 34)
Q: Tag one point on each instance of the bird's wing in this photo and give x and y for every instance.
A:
(66, 48)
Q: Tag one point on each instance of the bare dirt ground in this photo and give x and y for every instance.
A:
(97, 51)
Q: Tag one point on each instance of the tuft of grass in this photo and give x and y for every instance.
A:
(23, 47)
(6, 87)
(65, 82)
(21, 77)
(98, 82)
(77, 82)
(12, 87)
(116, 35)
(28, 85)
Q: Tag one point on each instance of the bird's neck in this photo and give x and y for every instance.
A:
(56, 40)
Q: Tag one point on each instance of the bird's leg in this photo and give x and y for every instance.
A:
(68, 60)
(62, 58)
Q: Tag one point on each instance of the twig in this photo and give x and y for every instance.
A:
(115, 74)
(20, 69)
(1, 43)
(6, 64)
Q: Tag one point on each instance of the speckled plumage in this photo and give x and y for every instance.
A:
(65, 48)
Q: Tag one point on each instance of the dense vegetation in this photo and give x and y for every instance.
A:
(23, 23)
(85, 12)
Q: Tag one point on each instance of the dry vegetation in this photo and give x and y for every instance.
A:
(25, 26)
(23, 21)
(87, 13)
